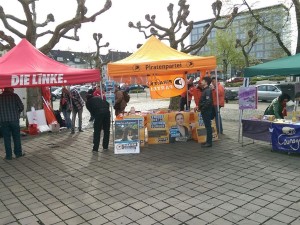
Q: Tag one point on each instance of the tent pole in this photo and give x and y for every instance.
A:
(218, 102)
(187, 93)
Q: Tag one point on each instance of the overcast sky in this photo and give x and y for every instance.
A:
(113, 24)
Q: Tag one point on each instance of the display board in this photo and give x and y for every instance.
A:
(127, 136)
(248, 98)
(179, 126)
(157, 127)
(199, 131)
(141, 127)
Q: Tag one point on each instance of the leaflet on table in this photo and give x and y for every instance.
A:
(127, 136)
(157, 127)
(141, 127)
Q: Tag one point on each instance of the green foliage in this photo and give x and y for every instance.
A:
(239, 84)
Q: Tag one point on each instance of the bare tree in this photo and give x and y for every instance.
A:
(246, 46)
(179, 22)
(276, 32)
(31, 25)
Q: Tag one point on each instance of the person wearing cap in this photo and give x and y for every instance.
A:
(11, 107)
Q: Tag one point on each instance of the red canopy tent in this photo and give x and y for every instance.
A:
(25, 66)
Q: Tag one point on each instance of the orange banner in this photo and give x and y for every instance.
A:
(166, 86)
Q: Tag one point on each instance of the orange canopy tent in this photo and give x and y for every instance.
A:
(156, 58)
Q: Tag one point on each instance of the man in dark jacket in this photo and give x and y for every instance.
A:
(206, 106)
(10, 108)
(99, 109)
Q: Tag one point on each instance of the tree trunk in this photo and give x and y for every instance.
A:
(297, 10)
(34, 98)
(174, 103)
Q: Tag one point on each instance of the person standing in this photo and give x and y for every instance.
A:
(99, 109)
(10, 108)
(120, 103)
(65, 106)
(206, 106)
(217, 108)
(77, 104)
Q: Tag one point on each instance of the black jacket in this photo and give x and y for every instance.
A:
(206, 102)
(97, 106)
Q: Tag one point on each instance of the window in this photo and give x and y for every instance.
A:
(60, 59)
(77, 60)
(272, 88)
(259, 47)
(260, 55)
(262, 88)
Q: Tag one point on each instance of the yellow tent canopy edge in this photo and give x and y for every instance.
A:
(155, 57)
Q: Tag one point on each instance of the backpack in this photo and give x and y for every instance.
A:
(126, 96)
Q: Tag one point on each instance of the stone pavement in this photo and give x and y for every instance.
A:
(60, 181)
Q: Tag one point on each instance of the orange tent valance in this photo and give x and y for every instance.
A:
(156, 58)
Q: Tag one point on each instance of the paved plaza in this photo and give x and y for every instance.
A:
(60, 181)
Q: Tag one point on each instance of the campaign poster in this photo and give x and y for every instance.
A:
(110, 98)
(179, 126)
(248, 98)
(157, 127)
(127, 136)
(110, 86)
(199, 131)
(141, 127)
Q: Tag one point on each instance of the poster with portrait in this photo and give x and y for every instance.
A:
(199, 131)
(248, 98)
(110, 98)
(141, 127)
(110, 86)
(157, 127)
(127, 136)
(179, 126)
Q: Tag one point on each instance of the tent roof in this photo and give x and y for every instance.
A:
(154, 57)
(25, 66)
(289, 65)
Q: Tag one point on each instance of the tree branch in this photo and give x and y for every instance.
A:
(276, 34)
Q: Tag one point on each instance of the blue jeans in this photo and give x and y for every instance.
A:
(67, 116)
(219, 129)
(206, 115)
(11, 129)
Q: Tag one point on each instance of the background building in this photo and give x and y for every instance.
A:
(266, 48)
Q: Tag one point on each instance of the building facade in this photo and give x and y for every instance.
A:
(266, 48)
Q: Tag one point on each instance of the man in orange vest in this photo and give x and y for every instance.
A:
(221, 94)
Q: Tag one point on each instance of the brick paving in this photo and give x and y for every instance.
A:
(60, 181)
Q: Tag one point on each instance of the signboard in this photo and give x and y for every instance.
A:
(157, 126)
(110, 86)
(166, 86)
(127, 136)
(285, 137)
(199, 131)
(248, 98)
(110, 98)
(141, 127)
(179, 126)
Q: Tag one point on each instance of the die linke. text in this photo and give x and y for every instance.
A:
(34, 79)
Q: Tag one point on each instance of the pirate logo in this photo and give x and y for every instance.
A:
(136, 68)
(190, 64)
(179, 83)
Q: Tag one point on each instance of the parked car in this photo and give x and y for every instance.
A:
(230, 94)
(235, 79)
(135, 88)
(57, 93)
(267, 92)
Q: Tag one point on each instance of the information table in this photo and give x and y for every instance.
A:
(286, 137)
(257, 129)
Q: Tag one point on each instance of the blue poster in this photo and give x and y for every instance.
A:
(127, 136)
(285, 137)
(110, 86)
(110, 98)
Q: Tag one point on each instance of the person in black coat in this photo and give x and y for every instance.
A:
(206, 107)
(99, 109)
